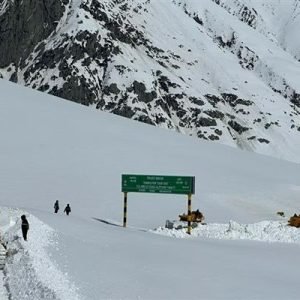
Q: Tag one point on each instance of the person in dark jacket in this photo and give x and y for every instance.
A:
(67, 209)
(25, 227)
(56, 206)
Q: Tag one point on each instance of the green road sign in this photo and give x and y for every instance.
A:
(158, 184)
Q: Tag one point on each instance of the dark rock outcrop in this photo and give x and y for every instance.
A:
(24, 25)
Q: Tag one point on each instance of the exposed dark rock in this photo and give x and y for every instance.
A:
(198, 20)
(214, 114)
(201, 135)
(229, 97)
(247, 57)
(181, 113)
(230, 116)
(253, 137)
(124, 111)
(213, 137)
(258, 120)
(195, 112)
(206, 122)
(267, 125)
(245, 14)
(75, 89)
(218, 131)
(145, 119)
(24, 25)
(172, 100)
(196, 101)
(233, 100)
(261, 140)
(140, 90)
(111, 89)
(164, 105)
(227, 43)
(160, 119)
(44, 88)
(213, 100)
(296, 99)
(248, 16)
(118, 30)
(14, 77)
(165, 83)
(237, 127)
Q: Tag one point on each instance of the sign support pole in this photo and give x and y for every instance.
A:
(189, 212)
(183, 185)
(125, 210)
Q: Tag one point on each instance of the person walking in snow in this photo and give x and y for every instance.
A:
(25, 227)
(56, 206)
(67, 209)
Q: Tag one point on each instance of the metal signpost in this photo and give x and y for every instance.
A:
(184, 185)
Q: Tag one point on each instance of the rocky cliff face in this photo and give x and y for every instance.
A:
(23, 25)
(221, 70)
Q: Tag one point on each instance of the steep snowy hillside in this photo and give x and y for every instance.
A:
(221, 70)
(53, 149)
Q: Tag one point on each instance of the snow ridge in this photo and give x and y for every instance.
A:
(264, 231)
(30, 272)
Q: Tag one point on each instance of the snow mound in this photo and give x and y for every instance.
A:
(30, 273)
(266, 231)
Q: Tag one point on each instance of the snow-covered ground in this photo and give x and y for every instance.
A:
(53, 149)
(30, 271)
(265, 231)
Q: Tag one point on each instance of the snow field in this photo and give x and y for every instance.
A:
(53, 149)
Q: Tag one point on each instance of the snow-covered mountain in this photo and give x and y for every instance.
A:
(221, 70)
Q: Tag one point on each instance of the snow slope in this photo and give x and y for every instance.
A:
(219, 70)
(52, 149)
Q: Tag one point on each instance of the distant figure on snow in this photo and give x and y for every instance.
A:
(56, 206)
(25, 227)
(67, 209)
